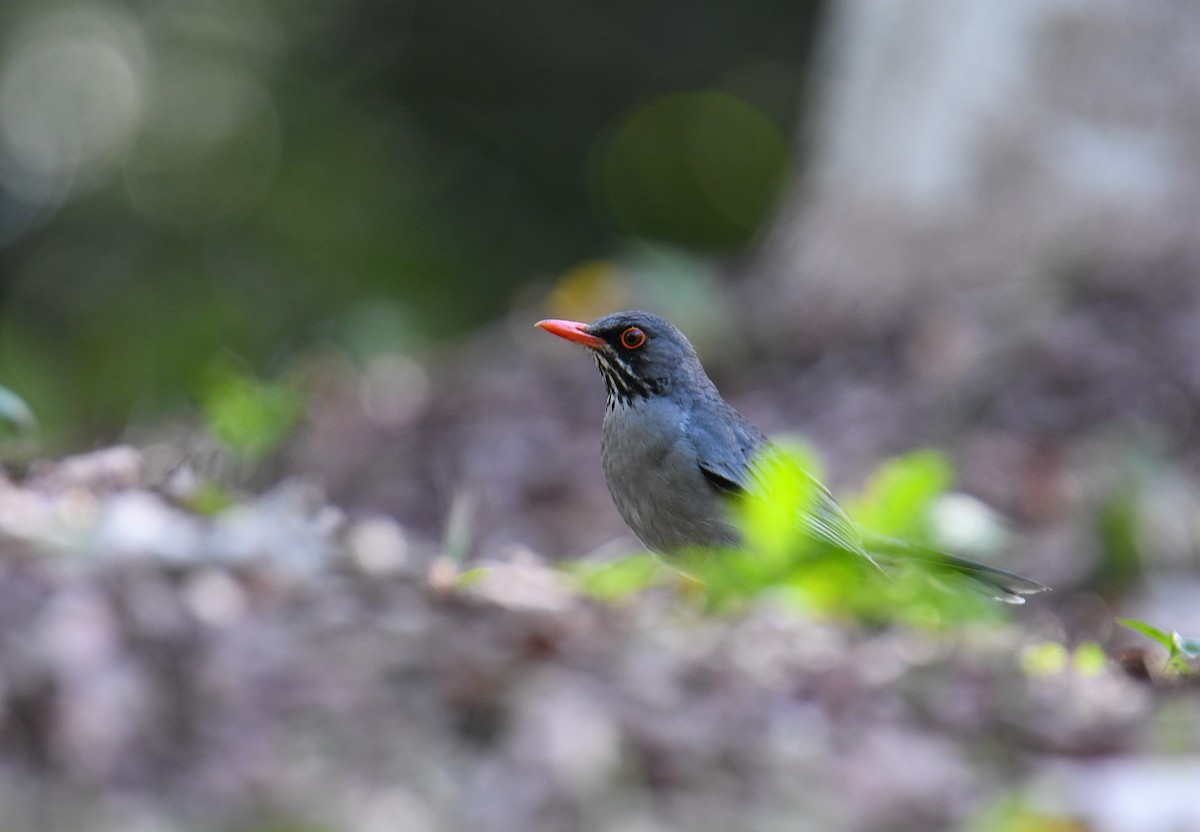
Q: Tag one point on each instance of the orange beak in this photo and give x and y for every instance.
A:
(572, 331)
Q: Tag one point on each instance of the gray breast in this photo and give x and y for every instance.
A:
(655, 479)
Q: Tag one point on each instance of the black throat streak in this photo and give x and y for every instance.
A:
(622, 384)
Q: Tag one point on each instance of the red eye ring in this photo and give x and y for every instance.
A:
(632, 338)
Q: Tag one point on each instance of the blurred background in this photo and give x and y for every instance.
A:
(315, 235)
(189, 184)
(265, 241)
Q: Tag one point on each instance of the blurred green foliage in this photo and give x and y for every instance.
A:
(622, 579)
(208, 498)
(1119, 525)
(1050, 658)
(248, 416)
(1143, 516)
(179, 180)
(1016, 813)
(898, 498)
(782, 562)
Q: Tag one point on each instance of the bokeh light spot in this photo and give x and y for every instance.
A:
(209, 146)
(70, 96)
(700, 168)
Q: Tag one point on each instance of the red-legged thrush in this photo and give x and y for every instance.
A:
(674, 452)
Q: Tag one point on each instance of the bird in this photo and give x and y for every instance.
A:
(675, 454)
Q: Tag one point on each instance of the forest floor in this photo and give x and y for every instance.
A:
(364, 644)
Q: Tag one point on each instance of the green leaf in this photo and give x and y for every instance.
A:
(209, 499)
(785, 489)
(1089, 659)
(901, 493)
(782, 559)
(1014, 813)
(1120, 525)
(1180, 651)
(1167, 640)
(249, 416)
(617, 580)
(1044, 659)
(472, 577)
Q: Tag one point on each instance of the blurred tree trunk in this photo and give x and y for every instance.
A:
(984, 146)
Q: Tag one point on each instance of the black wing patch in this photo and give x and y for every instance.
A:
(721, 482)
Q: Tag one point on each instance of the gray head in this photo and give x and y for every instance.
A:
(640, 355)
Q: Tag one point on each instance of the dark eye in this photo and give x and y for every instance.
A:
(632, 338)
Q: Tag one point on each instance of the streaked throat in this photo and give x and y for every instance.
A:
(624, 386)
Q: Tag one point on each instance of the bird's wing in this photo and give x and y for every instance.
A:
(725, 446)
(828, 521)
(728, 449)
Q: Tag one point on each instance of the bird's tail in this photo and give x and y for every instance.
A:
(1000, 584)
